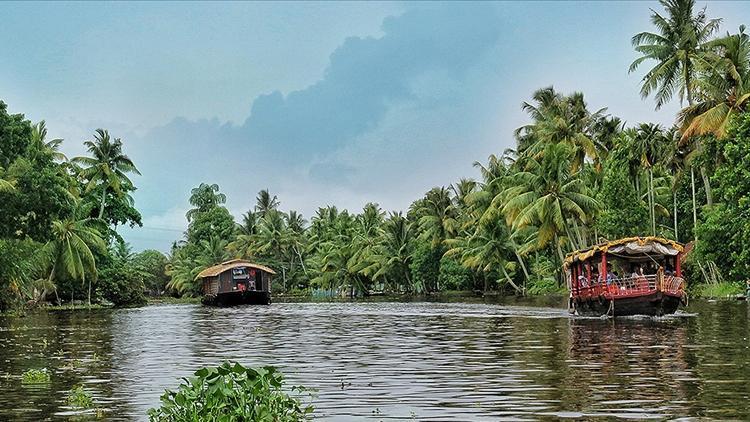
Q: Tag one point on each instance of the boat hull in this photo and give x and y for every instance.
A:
(653, 304)
(238, 298)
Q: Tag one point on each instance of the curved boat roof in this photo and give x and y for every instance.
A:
(228, 265)
(628, 246)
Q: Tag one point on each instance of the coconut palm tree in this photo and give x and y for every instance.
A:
(560, 119)
(676, 48)
(265, 202)
(107, 168)
(203, 198)
(548, 196)
(71, 249)
(6, 184)
(249, 225)
(488, 249)
(39, 135)
(437, 216)
(724, 89)
(648, 144)
(394, 250)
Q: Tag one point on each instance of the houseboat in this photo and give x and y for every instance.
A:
(631, 276)
(236, 282)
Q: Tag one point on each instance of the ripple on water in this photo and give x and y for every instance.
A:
(390, 361)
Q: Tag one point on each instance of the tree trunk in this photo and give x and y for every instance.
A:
(89, 298)
(101, 206)
(695, 211)
(707, 186)
(674, 206)
(510, 281)
(653, 200)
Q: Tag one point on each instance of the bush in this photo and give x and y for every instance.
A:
(231, 393)
(425, 267)
(453, 275)
(79, 398)
(121, 284)
(35, 376)
(718, 290)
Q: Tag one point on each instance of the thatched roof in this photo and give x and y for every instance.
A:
(628, 245)
(228, 265)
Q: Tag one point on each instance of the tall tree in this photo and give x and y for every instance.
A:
(107, 168)
(203, 198)
(264, 202)
(71, 249)
(549, 196)
(676, 48)
(724, 87)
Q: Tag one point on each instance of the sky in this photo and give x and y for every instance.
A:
(321, 103)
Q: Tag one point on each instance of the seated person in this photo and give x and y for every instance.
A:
(582, 281)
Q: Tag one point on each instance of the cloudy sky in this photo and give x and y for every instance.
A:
(322, 103)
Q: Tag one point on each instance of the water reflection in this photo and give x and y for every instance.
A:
(394, 361)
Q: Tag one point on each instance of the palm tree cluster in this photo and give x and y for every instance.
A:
(58, 214)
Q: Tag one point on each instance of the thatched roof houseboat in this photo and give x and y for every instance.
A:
(236, 282)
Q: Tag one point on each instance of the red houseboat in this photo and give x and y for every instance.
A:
(236, 282)
(631, 276)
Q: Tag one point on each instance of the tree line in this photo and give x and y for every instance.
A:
(577, 176)
(58, 238)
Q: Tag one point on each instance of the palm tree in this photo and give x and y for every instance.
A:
(724, 88)
(107, 168)
(548, 196)
(249, 224)
(265, 202)
(649, 144)
(6, 184)
(393, 253)
(560, 119)
(203, 198)
(71, 249)
(488, 249)
(437, 216)
(677, 49)
(39, 135)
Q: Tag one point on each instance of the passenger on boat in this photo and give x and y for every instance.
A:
(640, 279)
(582, 281)
(611, 278)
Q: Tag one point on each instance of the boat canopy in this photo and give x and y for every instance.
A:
(628, 246)
(228, 265)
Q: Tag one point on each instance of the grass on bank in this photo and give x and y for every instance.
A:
(720, 290)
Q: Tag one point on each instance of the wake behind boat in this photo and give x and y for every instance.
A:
(631, 276)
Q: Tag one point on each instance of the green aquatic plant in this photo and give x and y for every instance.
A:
(36, 376)
(231, 392)
(79, 398)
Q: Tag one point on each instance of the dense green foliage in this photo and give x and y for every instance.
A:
(577, 176)
(58, 216)
(232, 393)
(725, 233)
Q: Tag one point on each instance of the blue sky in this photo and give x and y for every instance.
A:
(322, 103)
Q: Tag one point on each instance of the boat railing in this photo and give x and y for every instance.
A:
(672, 284)
(627, 286)
(620, 286)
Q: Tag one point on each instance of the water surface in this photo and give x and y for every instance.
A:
(393, 361)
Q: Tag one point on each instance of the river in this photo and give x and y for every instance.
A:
(393, 360)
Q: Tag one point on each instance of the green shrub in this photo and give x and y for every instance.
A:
(36, 376)
(230, 393)
(79, 398)
(122, 284)
(453, 275)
